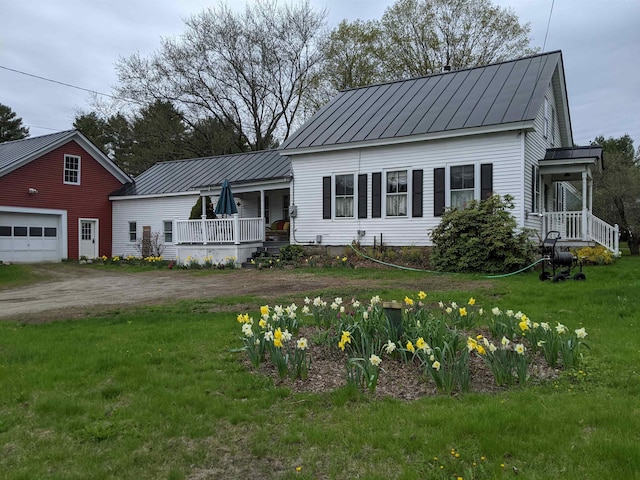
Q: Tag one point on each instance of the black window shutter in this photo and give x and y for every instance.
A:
(326, 197)
(416, 195)
(376, 195)
(534, 179)
(438, 192)
(486, 180)
(362, 195)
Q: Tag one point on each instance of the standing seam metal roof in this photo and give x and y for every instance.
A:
(193, 174)
(17, 150)
(491, 95)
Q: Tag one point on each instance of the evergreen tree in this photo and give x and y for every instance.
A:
(11, 127)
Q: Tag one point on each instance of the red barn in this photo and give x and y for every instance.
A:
(54, 198)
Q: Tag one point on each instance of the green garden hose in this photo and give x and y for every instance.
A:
(433, 271)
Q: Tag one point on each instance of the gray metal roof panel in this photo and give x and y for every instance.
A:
(423, 103)
(347, 116)
(479, 87)
(191, 174)
(407, 106)
(17, 150)
(503, 99)
(445, 107)
(590, 151)
(396, 104)
(502, 93)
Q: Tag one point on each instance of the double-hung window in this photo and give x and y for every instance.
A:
(133, 235)
(536, 188)
(344, 195)
(396, 199)
(462, 185)
(72, 169)
(167, 227)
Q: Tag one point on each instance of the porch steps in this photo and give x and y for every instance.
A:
(269, 250)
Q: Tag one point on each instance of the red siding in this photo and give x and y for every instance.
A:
(90, 199)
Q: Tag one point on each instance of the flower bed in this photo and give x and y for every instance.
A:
(427, 347)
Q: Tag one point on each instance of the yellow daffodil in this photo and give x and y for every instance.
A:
(264, 310)
(523, 325)
(422, 295)
(472, 301)
(421, 344)
(408, 301)
(410, 347)
(463, 311)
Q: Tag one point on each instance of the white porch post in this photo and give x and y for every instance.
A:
(236, 229)
(203, 225)
(262, 214)
(584, 206)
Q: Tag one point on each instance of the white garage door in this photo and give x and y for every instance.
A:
(30, 237)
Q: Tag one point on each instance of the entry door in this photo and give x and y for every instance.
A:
(88, 244)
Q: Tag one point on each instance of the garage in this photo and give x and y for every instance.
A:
(32, 236)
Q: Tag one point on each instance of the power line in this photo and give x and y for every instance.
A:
(67, 84)
(548, 23)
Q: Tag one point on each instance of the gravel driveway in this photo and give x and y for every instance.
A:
(76, 291)
(70, 290)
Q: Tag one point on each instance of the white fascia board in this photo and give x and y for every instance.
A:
(155, 195)
(525, 125)
(250, 187)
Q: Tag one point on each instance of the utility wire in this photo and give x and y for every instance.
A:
(548, 23)
(67, 84)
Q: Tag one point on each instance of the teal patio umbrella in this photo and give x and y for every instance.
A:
(226, 204)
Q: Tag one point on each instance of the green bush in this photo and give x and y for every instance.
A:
(291, 253)
(196, 210)
(595, 255)
(481, 238)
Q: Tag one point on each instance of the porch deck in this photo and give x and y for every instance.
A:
(218, 240)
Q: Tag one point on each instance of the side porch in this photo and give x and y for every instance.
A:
(564, 196)
(237, 237)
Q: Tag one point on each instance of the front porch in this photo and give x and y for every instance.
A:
(581, 228)
(563, 193)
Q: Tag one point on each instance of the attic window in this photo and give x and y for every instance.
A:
(72, 169)
(547, 118)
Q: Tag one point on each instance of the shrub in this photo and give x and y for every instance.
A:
(481, 238)
(595, 255)
(196, 210)
(291, 253)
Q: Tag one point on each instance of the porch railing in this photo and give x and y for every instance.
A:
(582, 226)
(233, 230)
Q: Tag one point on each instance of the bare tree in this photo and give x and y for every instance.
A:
(423, 36)
(250, 70)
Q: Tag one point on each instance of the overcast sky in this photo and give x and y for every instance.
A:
(78, 42)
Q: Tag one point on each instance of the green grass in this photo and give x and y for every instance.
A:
(155, 392)
(16, 275)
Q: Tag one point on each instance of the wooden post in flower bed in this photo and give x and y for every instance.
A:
(393, 312)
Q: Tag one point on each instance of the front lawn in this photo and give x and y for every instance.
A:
(157, 392)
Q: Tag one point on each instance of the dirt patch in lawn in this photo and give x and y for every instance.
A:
(78, 291)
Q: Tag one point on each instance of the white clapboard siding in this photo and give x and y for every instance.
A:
(536, 145)
(503, 150)
(150, 211)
